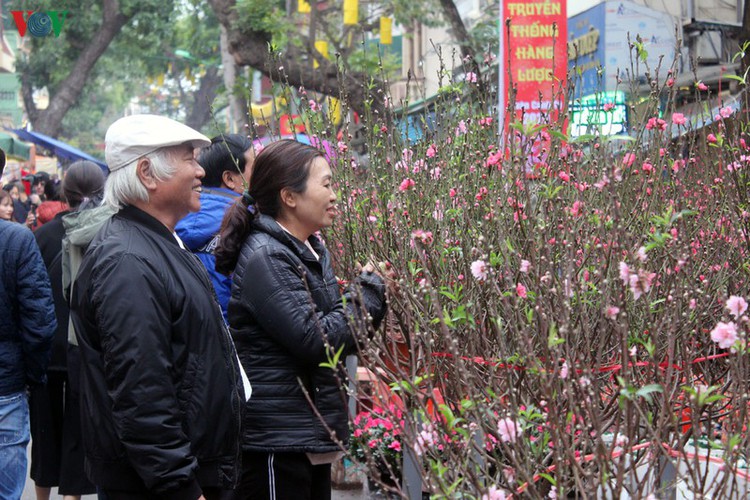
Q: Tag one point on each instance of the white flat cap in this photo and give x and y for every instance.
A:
(134, 136)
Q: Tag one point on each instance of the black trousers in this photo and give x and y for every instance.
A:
(208, 493)
(282, 476)
(56, 443)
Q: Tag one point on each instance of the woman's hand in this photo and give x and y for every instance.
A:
(388, 273)
(385, 270)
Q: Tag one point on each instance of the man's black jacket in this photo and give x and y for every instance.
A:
(161, 392)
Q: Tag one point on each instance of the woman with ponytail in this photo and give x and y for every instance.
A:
(287, 316)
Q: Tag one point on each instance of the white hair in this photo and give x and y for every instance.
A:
(124, 187)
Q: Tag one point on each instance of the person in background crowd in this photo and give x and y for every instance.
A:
(287, 316)
(6, 206)
(56, 449)
(228, 162)
(161, 387)
(52, 204)
(27, 326)
(12, 189)
(20, 208)
(38, 182)
(21, 201)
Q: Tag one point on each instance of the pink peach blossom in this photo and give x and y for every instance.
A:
(624, 272)
(508, 430)
(525, 264)
(628, 159)
(724, 334)
(406, 184)
(494, 494)
(479, 270)
(736, 306)
(612, 312)
(640, 283)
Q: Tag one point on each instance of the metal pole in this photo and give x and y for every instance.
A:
(351, 370)
(501, 103)
(668, 479)
(412, 475)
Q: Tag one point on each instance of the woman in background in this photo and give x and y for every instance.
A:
(6, 206)
(227, 162)
(53, 203)
(56, 448)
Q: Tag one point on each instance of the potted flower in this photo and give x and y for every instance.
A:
(376, 442)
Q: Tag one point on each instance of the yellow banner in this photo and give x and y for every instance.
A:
(386, 31)
(351, 11)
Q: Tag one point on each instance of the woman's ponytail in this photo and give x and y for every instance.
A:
(281, 164)
(234, 229)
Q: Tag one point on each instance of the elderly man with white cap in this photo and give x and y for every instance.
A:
(161, 387)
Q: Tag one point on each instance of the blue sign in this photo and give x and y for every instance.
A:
(586, 55)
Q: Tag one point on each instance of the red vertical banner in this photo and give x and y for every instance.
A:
(535, 59)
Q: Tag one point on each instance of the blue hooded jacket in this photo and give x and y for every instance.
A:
(27, 313)
(200, 230)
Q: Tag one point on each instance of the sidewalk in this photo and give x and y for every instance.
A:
(28, 492)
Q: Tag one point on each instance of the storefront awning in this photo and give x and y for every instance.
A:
(60, 149)
(14, 147)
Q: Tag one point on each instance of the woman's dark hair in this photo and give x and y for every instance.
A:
(52, 191)
(83, 179)
(5, 194)
(281, 164)
(21, 187)
(226, 152)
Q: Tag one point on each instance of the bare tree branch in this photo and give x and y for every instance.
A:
(49, 121)
(294, 66)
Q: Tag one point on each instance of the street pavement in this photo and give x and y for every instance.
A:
(28, 492)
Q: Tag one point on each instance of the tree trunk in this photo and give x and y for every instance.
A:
(461, 35)
(744, 38)
(48, 121)
(458, 28)
(294, 67)
(238, 111)
(200, 112)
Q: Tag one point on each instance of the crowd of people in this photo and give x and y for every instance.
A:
(166, 329)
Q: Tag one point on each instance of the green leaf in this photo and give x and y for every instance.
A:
(551, 480)
(558, 135)
(734, 77)
(552, 339)
(333, 362)
(584, 138)
(646, 391)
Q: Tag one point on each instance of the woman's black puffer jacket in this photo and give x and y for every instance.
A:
(285, 308)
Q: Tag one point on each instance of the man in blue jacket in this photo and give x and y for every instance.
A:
(228, 163)
(27, 326)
